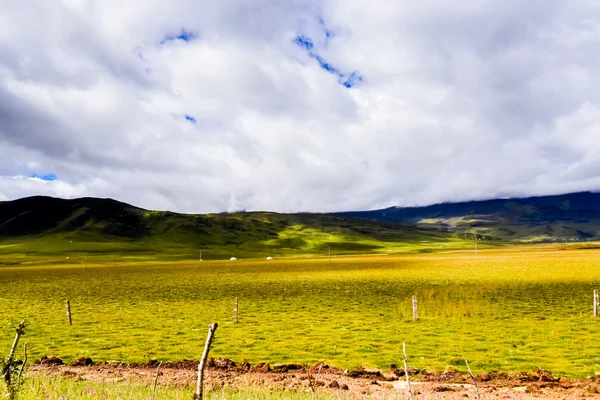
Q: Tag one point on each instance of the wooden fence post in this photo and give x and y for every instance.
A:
(235, 311)
(596, 303)
(156, 380)
(8, 362)
(414, 308)
(199, 385)
(410, 395)
(473, 378)
(69, 312)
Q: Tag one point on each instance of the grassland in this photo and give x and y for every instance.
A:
(511, 310)
(297, 241)
(56, 388)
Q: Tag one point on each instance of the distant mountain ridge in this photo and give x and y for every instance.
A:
(568, 216)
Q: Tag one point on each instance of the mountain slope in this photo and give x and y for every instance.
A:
(574, 216)
(43, 215)
(49, 226)
(103, 225)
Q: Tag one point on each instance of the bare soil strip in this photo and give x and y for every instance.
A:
(357, 384)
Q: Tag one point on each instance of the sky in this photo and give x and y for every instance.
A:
(288, 106)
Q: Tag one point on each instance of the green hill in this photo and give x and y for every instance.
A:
(45, 226)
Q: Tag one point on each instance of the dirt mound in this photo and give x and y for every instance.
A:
(49, 361)
(363, 373)
(82, 362)
(373, 375)
(281, 368)
(153, 364)
(323, 368)
(262, 368)
(224, 364)
(245, 366)
(544, 376)
(221, 363)
(115, 364)
(412, 371)
(485, 377)
(183, 364)
(149, 364)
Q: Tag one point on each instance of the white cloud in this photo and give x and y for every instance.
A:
(463, 101)
(11, 187)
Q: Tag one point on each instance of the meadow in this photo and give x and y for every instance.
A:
(59, 388)
(511, 309)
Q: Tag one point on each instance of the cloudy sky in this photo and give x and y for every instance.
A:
(298, 105)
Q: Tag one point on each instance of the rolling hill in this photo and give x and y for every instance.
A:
(46, 226)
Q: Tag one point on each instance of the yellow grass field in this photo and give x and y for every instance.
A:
(510, 310)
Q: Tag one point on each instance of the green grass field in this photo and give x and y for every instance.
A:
(511, 310)
(67, 389)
